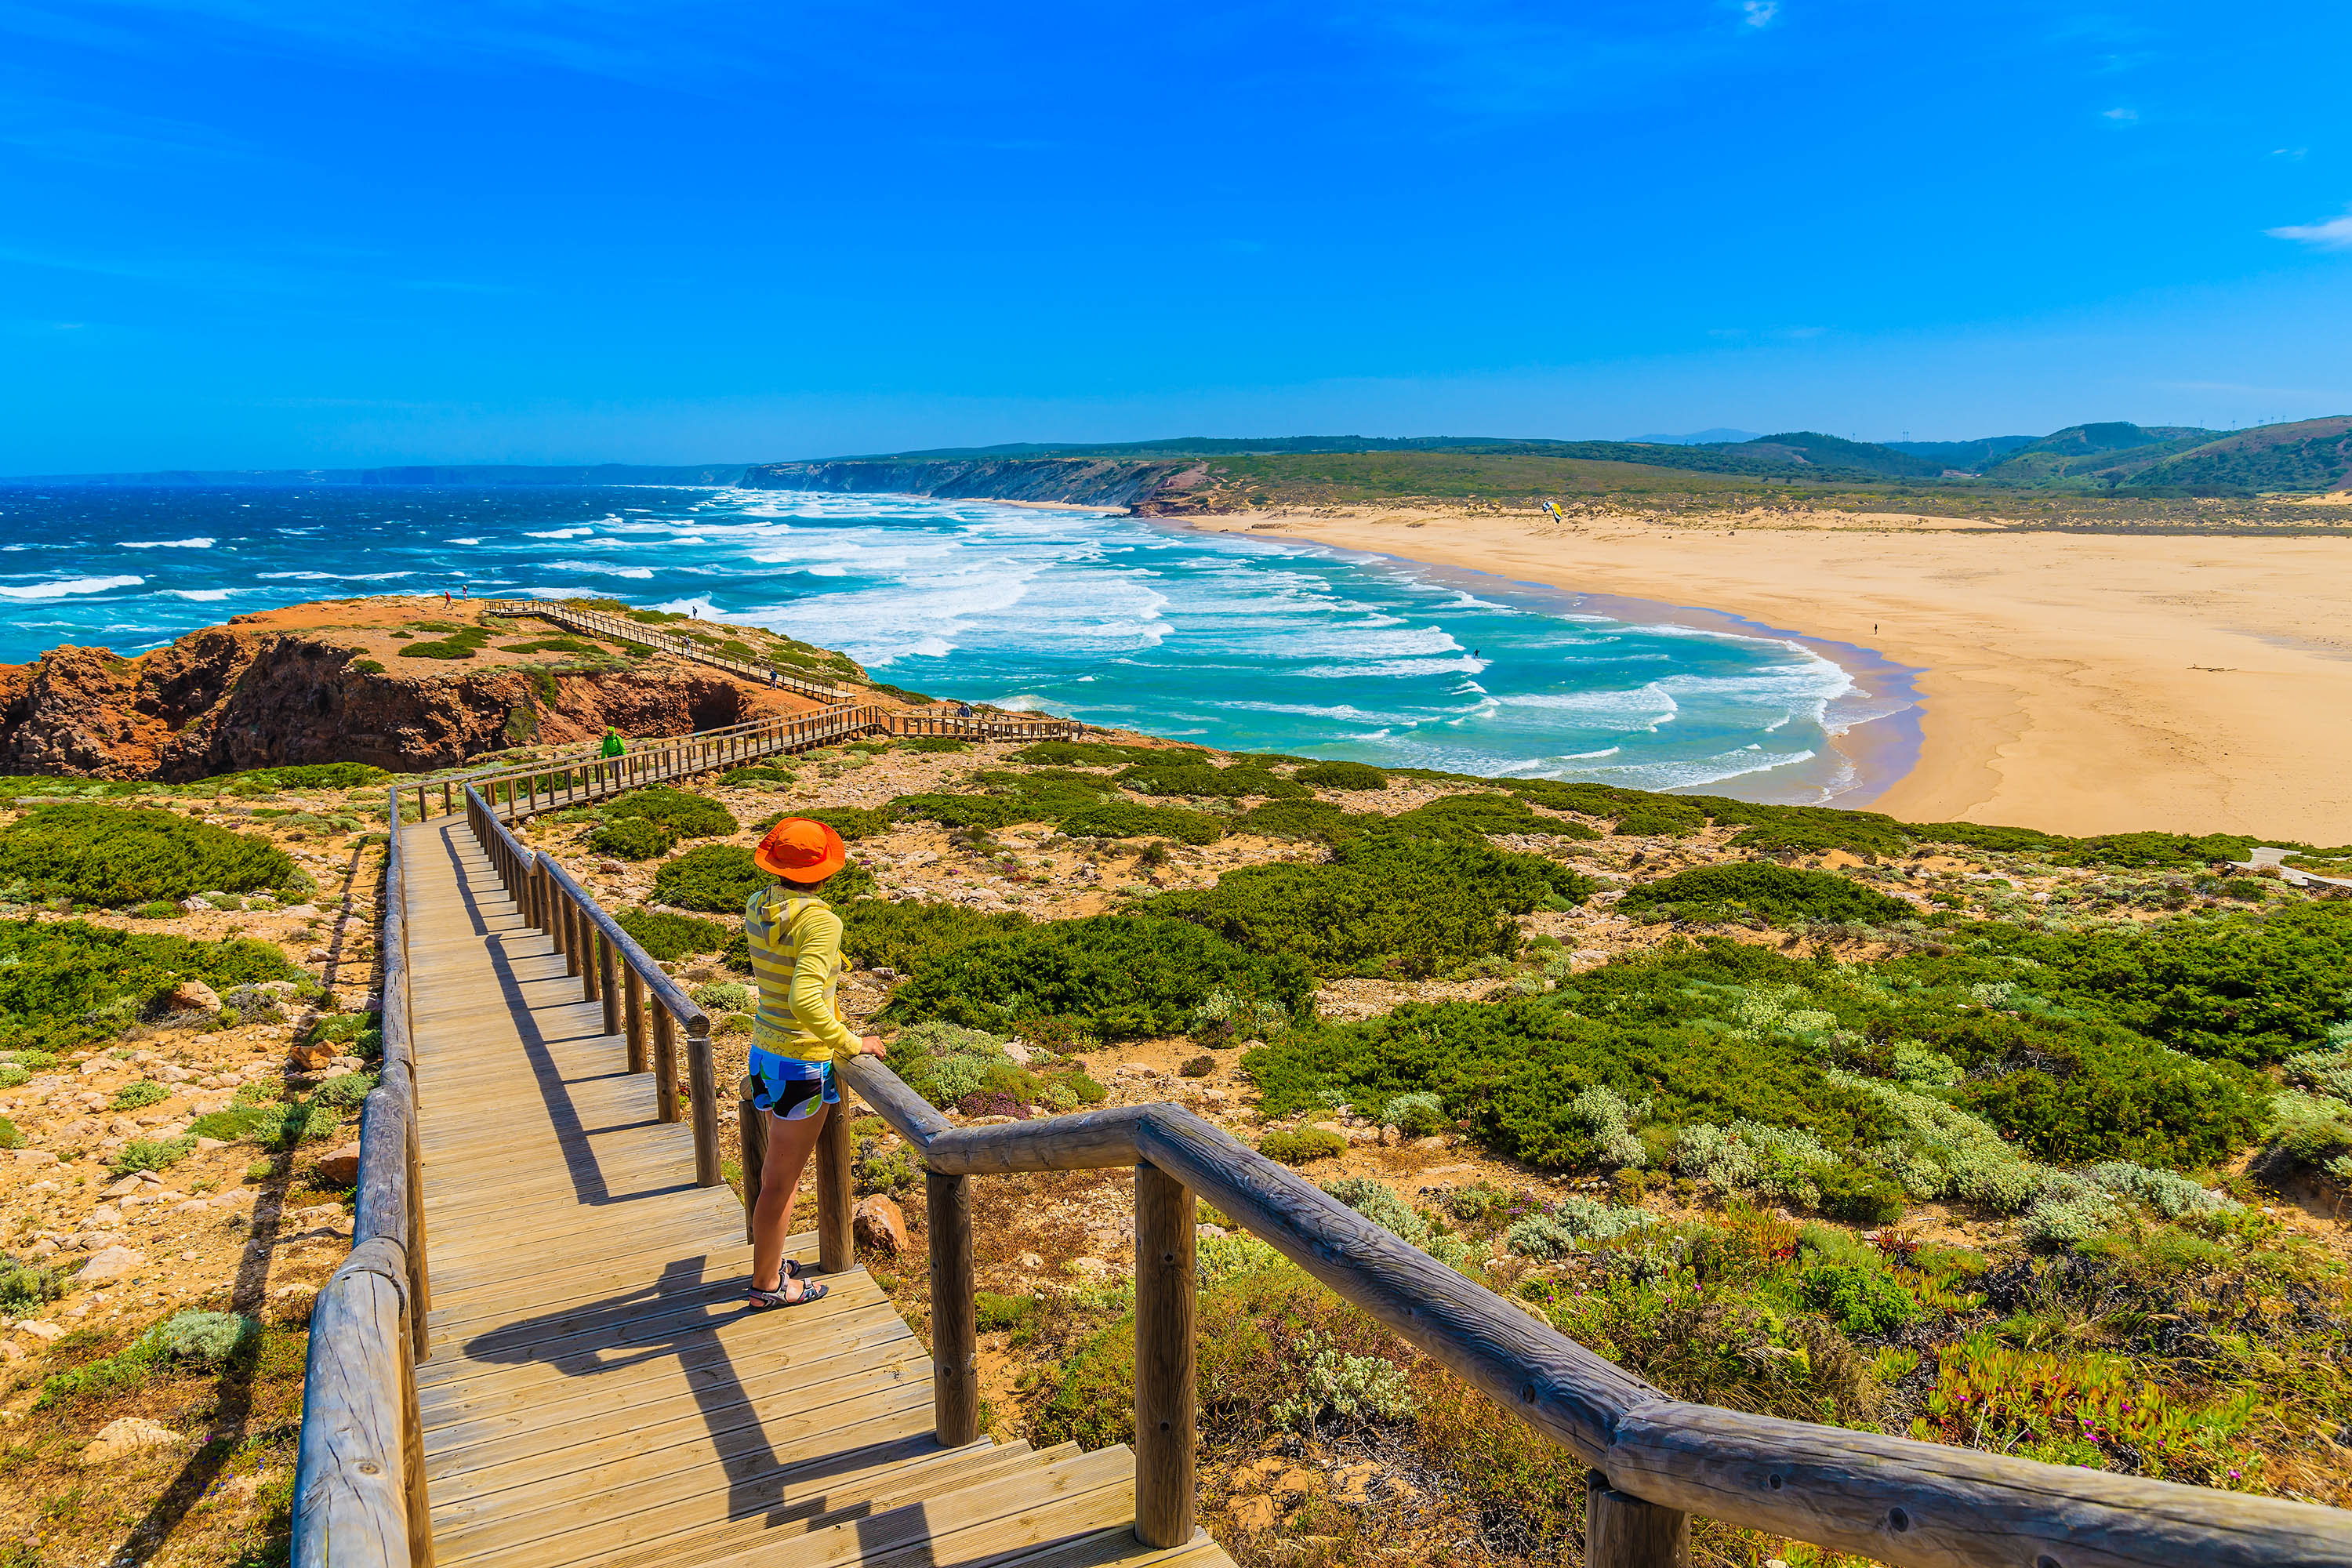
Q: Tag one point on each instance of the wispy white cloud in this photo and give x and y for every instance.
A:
(2121, 116)
(2335, 234)
(1759, 13)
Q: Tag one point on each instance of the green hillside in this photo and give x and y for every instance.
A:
(2103, 457)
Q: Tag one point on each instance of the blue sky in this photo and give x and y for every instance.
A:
(255, 232)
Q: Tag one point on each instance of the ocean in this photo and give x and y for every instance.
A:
(1239, 642)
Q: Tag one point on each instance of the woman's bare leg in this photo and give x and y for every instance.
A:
(789, 1143)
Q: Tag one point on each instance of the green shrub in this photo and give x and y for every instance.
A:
(1117, 976)
(685, 815)
(759, 773)
(901, 934)
(2094, 1092)
(202, 1339)
(26, 1286)
(1315, 820)
(855, 822)
(1198, 1067)
(1376, 1202)
(1858, 1298)
(632, 838)
(1299, 1148)
(346, 1092)
(1858, 1196)
(10, 1136)
(1776, 893)
(1002, 1314)
(302, 776)
(460, 643)
(1120, 819)
(1471, 816)
(152, 1154)
(63, 983)
(1638, 814)
(1342, 775)
(669, 937)
(719, 878)
(1418, 1115)
(1084, 754)
(138, 1096)
(1382, 905)
(1552, 1234)
(1184, 775)
(115, 855)
(935, 743)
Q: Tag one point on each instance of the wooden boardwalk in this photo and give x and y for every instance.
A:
(594, 1390)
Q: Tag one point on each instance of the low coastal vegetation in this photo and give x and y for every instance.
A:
(1996, 1138)
(1975, 1133)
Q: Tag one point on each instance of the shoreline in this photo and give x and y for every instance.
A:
(1878, 748)
(2080, 684)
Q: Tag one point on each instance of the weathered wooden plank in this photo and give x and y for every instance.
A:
(948, 1470)
(1623, 1532)
(557, 1416)
(628, 1478)
(632, 1520)
(1048, 1503)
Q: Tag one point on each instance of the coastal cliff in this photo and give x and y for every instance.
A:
(1067, 481)
(231, 698)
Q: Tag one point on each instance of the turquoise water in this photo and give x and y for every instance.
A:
(1237, 641)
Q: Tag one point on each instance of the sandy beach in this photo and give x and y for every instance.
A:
(2077, 683)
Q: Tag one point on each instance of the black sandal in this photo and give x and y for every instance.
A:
(758, 1300)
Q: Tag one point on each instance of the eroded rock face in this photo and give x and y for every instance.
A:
(230, 698)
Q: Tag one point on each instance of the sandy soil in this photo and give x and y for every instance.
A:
(2078, 683)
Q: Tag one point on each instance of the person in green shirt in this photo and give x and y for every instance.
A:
(797, 1036)
(614, 744)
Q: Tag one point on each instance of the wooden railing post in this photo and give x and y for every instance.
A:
(1623, 1532)
(665, 1066)
(608, 961)
(633, 1018)
(446, 806)
(593, 956)
(751, 1124)
(567, 915)
(955, 1327)
(836, 1247)
(702, 1088)
(1166, 1278)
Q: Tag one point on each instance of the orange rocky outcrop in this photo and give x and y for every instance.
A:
(261, 692)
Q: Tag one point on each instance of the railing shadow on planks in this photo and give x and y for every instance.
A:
(1655, 1460)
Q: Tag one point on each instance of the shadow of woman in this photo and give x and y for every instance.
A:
(679, 1316)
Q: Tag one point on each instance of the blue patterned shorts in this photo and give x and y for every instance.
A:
(790, 1088)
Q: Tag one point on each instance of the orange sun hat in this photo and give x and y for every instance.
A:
(800, 850)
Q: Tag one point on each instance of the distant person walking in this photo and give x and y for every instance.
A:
(796, 1037)
(613, 745)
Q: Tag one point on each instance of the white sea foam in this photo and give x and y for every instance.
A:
(203, 596)
(166, 544)
(461, 541)
(69, 586)
(558, 533)
(606, 567)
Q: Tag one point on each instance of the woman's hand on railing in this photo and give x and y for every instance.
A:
(872, 1045)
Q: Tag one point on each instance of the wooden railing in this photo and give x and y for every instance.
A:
(617, 628)
(518, 792)
(358, 1484)
(614, 970)
(1655, 1460)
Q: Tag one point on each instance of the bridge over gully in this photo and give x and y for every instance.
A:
(536, 1352)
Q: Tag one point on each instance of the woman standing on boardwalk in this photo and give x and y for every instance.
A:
(796, 1037)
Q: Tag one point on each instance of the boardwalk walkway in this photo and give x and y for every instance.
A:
(594, 1392)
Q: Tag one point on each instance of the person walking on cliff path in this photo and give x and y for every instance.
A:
(797, 1035)
(613, 745)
